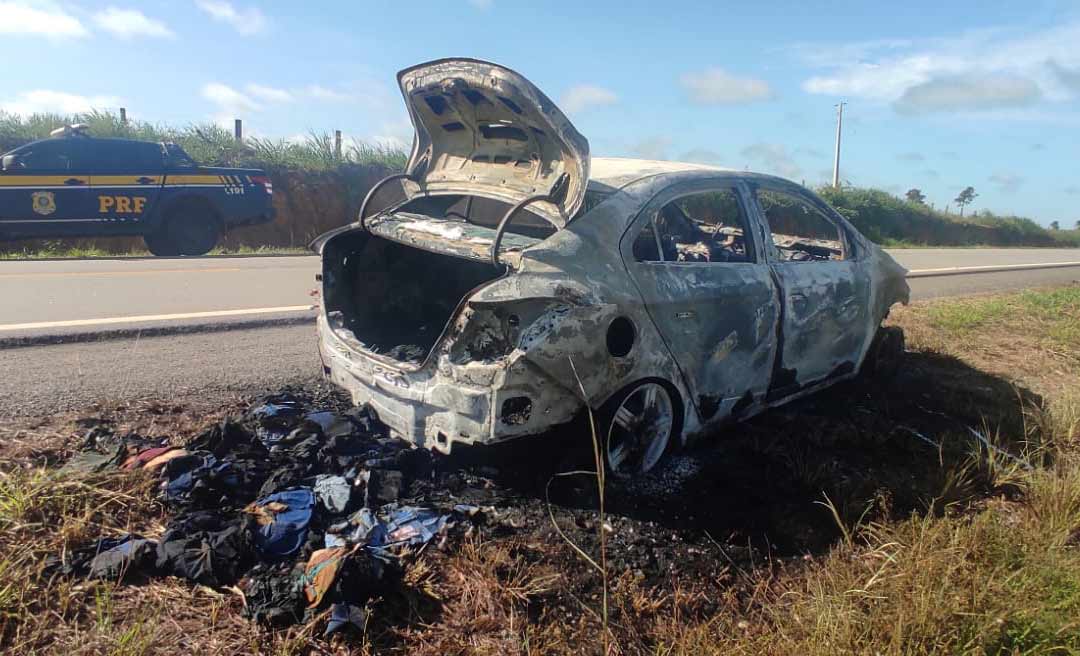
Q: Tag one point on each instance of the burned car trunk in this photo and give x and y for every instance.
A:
(394, 300)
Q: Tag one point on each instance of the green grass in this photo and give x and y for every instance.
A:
(1055, 310)
(60, 251)
(882, 217)
(965, 316)
(896, 222)
(210, 144)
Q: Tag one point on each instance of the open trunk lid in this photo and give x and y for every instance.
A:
(484, 130)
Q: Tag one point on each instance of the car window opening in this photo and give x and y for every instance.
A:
(704, 227)
(477, 211)
(487, 212)
(800, 231)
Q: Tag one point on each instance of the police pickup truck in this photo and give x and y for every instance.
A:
(76, 185)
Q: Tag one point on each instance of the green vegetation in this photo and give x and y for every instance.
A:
(209, 144)
(1052, 315)
(893, 221)
(321, 190)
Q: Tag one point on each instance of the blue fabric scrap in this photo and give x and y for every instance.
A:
(287, 531)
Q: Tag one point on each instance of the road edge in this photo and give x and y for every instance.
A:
(131, 332)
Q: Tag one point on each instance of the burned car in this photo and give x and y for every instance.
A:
(519, 282)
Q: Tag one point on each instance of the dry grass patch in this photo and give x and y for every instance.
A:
(928, 538)
(1032, 337)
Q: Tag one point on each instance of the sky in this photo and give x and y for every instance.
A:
(940, 95)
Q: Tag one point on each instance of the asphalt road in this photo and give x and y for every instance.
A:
(64, 296)
(43, 379)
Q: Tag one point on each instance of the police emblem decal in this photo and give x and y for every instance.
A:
(44, 202)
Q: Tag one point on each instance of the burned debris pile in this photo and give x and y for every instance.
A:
(303, 511)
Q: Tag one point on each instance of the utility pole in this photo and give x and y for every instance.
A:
(836, 157)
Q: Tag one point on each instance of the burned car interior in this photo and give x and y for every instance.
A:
(704, 227)
(394, 300)
(800, 232)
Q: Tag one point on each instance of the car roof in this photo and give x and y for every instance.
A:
(617, 172)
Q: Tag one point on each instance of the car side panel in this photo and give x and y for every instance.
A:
(46, 200)
(234, 197)
(825, 321)
(718, 319)
(586, 255)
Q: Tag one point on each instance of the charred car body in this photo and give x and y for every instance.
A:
(521, 281)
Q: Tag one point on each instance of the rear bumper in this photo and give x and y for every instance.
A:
(443, 404)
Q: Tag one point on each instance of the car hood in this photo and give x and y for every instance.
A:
(484, 130)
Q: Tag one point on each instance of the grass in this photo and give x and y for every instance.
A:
(211, 144)
(948, 546)
(58, 250)
(896, 222)
(310, 172)
(1032, 330)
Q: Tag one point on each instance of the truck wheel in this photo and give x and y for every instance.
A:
(193, 228)
(159, 244)
(637, 425)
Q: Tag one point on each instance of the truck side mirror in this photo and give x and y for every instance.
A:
(8, 163)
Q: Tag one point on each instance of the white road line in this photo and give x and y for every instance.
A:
(915, 273)
(76, 323)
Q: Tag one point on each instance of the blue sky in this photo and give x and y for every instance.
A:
(940, 94)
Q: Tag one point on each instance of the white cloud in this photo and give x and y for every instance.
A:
(583, 96)
(655, 147)
(1070, 77)
(715, 86)
(701, 156)
(968, 93)
(128, 23)
(974, 71)
(481, 4)
(911, 157)
(320, 92)
(774, 158)
(810, 151)
(38, 19)
(269, 94)
(59, 102)
(1007, 182)
(245, 21)
(229, 100)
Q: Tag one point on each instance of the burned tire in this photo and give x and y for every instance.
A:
(638, 426)
(192, 227)
(159, 244)
(885, 354)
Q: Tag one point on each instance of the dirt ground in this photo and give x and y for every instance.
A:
(694, 544)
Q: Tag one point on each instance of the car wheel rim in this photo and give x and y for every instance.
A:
(640, 429)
